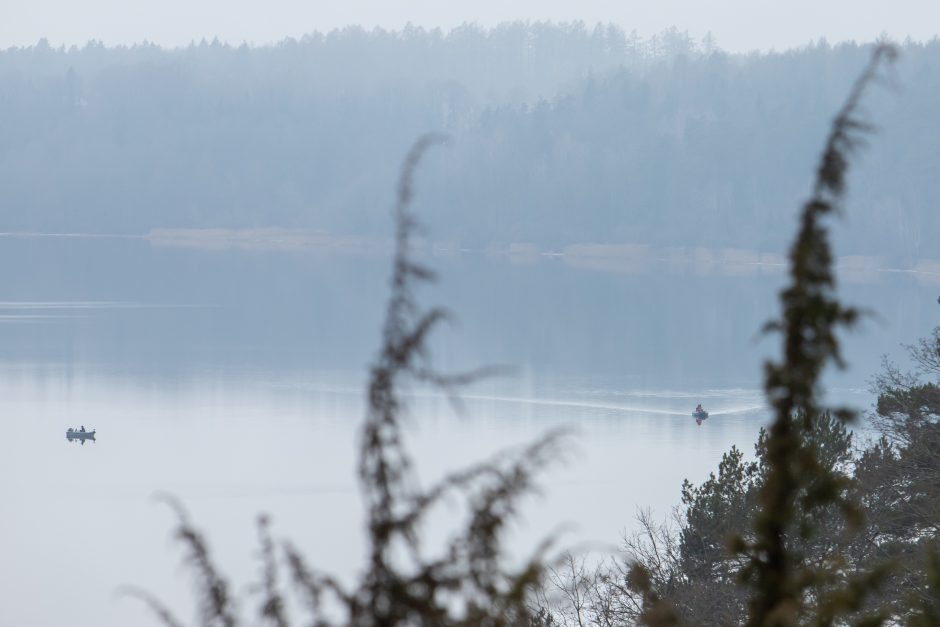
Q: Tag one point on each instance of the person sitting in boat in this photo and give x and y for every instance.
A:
(83, 429)
(698, 409)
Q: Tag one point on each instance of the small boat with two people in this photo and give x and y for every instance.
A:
(699, 414)
(80, 435)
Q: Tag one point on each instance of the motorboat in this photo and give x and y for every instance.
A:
(699, 415)
(79, 435)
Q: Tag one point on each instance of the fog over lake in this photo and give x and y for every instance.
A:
(197, 246)
(232, 377)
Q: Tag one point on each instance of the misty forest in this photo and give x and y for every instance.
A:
(539, 325)
(670, 142)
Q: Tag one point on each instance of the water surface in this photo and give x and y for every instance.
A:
(233, 380)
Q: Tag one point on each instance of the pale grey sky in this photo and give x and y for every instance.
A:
(738, 25)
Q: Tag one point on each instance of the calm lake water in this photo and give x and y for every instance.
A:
(233, 380)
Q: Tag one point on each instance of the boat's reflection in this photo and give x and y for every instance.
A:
(80, 435)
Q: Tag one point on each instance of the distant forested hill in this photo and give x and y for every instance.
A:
(561, 134)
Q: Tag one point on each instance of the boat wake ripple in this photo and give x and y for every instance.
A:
(619, 407)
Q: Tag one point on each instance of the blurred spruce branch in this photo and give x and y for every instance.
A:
(797, 484)
(469, 581)
(787, 589)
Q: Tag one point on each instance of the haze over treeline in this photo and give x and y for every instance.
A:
(560, 134)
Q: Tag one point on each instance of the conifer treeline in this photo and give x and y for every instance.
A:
(561, 135)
